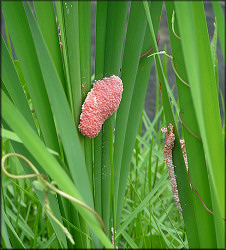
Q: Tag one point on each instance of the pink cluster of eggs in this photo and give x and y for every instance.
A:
(101, 102)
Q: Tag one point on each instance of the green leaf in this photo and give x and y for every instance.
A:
(63, 116)
(178, 161)
(131, 106)
(141, 206)
(4, 234)
(199, 66)
(21, 223)
(101, 21)
(115, 31)
(194, 149)
(38, 150)
(221, 24)
(15, 239)
(71, 26)
(23, 43)
(84, 10)
(45, 14)
(12, 83)
(129, 240)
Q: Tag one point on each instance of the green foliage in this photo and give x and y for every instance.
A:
(121, 173)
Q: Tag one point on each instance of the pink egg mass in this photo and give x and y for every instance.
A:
(101, 102)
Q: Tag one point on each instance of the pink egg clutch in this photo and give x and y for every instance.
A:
(101, 102)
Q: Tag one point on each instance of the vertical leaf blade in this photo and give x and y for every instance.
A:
(199, 66)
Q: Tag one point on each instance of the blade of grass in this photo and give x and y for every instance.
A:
(213, 47)
(84, 11)
(13, 137)
(19, 148)
(64, 54)
(15, 239)
(67, 130)
(84, 23)
(4, 234)
(115, 30)
(221, 24)
(16, 20)
(12, 83)
(200, 71)
(79, 230)
(8, 40)
(70, 17)
(194, 148)
(21, 224)
(101, 22)
(46, 18)
(135, 86)
(33, 243)
(129, 240)
(66, 24)
(128, 75)
(141, 206)
(49, 242)
(181, 174)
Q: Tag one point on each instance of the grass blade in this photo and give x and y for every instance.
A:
(15, 17)
(33, 143)
(67, 130)
(181, 174)
(12, 83)
(70, 17)
(16, 242)
(84, 10)
(116, 23)
(203, 89)
(133, 98)
(101, 22)
(195, 153)
(47, 23)
(221, 24)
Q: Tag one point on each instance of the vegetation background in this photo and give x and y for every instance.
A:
(150, 99)
(127, 186)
